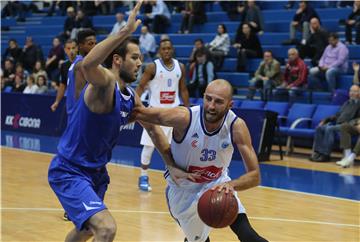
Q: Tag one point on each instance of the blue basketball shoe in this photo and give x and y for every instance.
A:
(144, 184)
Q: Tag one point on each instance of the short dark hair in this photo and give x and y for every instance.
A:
(121, 50)
(334, 35)
(165, 40)
(83, 34)
(69, 41)
(200, 40)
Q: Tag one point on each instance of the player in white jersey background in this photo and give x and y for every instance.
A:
(165, 80)
(203, 139)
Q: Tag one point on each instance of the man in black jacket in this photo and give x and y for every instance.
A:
(325, 132)
(315, 44)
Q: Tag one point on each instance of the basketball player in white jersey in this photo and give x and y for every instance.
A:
(203, 139)
(165, 80)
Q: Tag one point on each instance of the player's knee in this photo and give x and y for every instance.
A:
(146, 154)
(106, 231)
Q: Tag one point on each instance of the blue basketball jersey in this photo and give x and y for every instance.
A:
(89, 138)
(70, 90)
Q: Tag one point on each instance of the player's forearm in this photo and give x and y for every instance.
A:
(102, 50)
(249, 180)
(185, 97)
(161, 143)
(60, 93)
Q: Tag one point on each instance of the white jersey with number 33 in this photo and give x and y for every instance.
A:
(208, 153)
(164, 88)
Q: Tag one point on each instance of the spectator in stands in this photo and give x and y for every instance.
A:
(194, 13)
(267, 76)
(88, 8)
(19, 70)
(204, 73)
(14, 9)
(252, 16)
(13, 51)
(353, 21)
(295, 76)
(31, 87)
(81, 22)
(346, 131)
(301, 21)
(9, 72)
(42, 84)
(62, 5)
(219, 47)
(147, 44)
(356, 68)
(120, 22)
(19, 85)
(316, 43)
(105, 7)
(159, 17)
(198, 44)
(56, 54)
(325, 132)
(39, 70)
(69, 24)
(248, 45)
(30, 54)
(333, 62)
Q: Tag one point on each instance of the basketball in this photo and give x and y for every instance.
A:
(218, 209)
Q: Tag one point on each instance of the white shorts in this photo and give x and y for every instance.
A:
(146, 140)
(182, 202)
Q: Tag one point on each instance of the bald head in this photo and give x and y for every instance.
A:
(354, 92)
(220, 87)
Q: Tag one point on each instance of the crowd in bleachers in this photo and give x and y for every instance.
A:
(281, 61)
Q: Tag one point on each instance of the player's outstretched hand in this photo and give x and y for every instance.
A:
(227, 186)
(133, 23)
(178, 174)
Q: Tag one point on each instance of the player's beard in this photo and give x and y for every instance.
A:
(214, 118)
(126, 76)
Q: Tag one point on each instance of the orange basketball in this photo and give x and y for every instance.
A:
(218, 209)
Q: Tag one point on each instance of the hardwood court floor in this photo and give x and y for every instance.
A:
(31, 212)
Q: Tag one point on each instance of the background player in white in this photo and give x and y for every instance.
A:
(202, 143)
(165, 80)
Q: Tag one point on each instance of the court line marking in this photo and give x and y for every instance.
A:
(161, 171)
(167, 213)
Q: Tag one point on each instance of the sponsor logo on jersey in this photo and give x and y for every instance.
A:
(167, 97)
(124, 114)
(17, 121)
(224, 145)
(130, 126)
(169, 82)
(194, 143)
(195, 135)
(207, 174)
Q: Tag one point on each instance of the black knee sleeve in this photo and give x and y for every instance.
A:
(245, 233)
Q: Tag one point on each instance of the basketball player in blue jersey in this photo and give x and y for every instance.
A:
(203, 139)
(100, 103)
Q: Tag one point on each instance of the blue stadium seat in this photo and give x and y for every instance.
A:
(281, 108)
(248, 104)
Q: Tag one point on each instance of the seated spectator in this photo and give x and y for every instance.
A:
(120, 23)
(253, 17)
(42, 85)
(325, 132)
(194, 13)
(356, 68)
(81, 22)
(39, 70)
(295, 77)
(69, 24)
(9, 72)
(19, 70)
(333, 62)
(159, 17)
(13, 51)
(31, 87)
(14, 9)
(346, 131)
(30, 54)
(147, 44)
(301, 21)
(267, 76)
(248, 45)
(353, 21)
(219, 47)
(204, 73)
(316, 44)
(19, 85)
(62, 6)
(56, 54)
(198, 44)
(105, 7)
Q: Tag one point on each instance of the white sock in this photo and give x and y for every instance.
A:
(352, 156)
(144, 172)
(347, 152)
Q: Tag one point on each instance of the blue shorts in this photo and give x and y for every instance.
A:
(80, 190)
